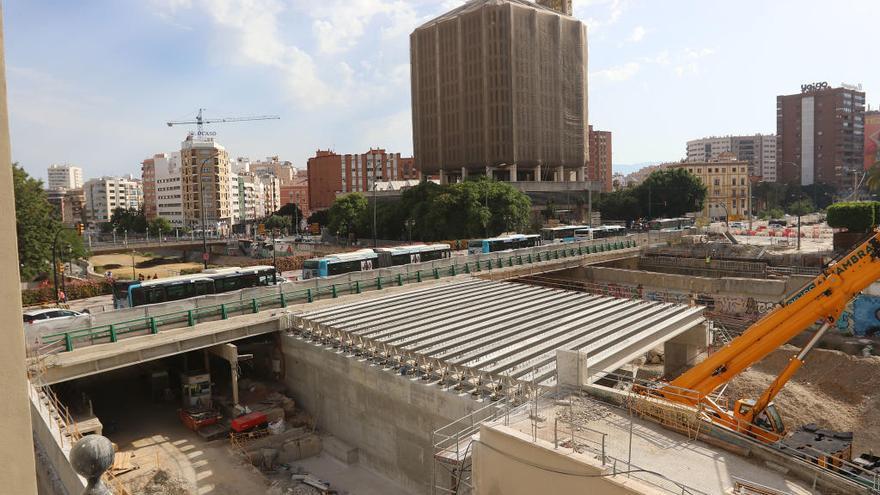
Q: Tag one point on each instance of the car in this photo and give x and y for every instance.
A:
(40, 315)
(736, 225)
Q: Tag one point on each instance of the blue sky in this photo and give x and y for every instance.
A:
(92, 82)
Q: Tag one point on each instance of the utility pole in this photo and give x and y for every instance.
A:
(374, 206)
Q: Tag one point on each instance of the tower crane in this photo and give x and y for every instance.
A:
(200, 121)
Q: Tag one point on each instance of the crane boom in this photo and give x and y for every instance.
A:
(200, 121)
(823, 299)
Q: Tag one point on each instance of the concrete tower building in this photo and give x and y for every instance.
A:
(500, 87)
(205, 184)
(64, 177)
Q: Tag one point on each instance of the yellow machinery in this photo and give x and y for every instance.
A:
(821, 300)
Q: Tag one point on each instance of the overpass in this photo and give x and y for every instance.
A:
(146, 244)
(147, 333)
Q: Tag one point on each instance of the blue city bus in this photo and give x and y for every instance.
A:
(416, 253)
(132, 293)
(503, 243)
(562, 233)
(335, 264)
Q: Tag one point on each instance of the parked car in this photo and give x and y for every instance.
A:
(40, 315)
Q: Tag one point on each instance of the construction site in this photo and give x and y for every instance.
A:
(669, 367)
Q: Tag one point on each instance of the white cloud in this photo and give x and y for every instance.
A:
(638, 34)
(661, 58)
(613, 11)
(617, 73)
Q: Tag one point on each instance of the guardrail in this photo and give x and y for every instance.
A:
(113, 332)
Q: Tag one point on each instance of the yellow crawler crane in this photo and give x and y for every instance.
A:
(823, 299)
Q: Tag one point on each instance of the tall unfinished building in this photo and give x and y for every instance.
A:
(500, 87)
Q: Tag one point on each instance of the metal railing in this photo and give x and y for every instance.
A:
(70, 340)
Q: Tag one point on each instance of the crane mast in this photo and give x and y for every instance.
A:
(200, 121)
(822, 299)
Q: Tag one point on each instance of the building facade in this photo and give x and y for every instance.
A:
(562, 6)
(283, 170)
(820, 135)
(728, 188)
(499, 87)
(64, 177)
(758, 150)
(599, 165)
(205, 185)
(297, 192)
(872, 138)
(330, 173)
(68, 204)
(104, 195)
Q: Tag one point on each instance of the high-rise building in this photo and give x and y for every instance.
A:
(872, 138)
(599, 165)
(500, 87)
(820, 135)
(104, 195)
(727, 186)
(68, 204)
(64, 176)
(205, 184)
(758, 150)
(330, 173)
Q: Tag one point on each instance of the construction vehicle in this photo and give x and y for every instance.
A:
(821, 300)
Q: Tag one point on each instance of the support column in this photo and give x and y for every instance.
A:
(580, 174)
(442, 176)
(560, 174)
(463, 174)
(512, 170)
(538, 173)
(680, 352)
(489, 174)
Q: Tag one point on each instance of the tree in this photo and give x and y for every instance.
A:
(36, 227)
(129, 219)
(801, 207)
(670, 193)
(160, 226)
(320, 217)
(619, 205)
(874, 178)
(346, 214)
(292, 212)
(277, 222)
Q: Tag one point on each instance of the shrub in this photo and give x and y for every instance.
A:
(73, 290)
(855, 216)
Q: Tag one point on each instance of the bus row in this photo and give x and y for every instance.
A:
(572, 233)
(367, 259)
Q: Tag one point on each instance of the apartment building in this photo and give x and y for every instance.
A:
(205, 184)
(283, 170)
(330, 173)
(599, 164)
(297, 192)
(758, 150)
(68, 204)
(728, 186)
(64, 176)
(820, 135)
(104, 195)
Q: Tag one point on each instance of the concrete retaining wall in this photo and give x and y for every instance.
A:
(54, 471)
(388, 417)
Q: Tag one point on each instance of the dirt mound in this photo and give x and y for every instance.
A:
(832, 389)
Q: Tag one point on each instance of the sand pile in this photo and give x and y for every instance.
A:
(834, 390)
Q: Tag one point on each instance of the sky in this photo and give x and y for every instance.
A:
(93, 82)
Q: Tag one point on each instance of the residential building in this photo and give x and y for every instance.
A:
(271, 191)
(758, 150)
(104, 195)
(241, 165)
(68, 204)
(284, 170)
(599, 164)
(163, 189)
(205, 185)
(618, 181)
(493, 94)
(872, 138)
(297, 192)
(64, 176)
(330, 173)
(636, 178)
(820, 135)
(727, 183)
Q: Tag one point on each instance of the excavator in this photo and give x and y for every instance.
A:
(821, 300)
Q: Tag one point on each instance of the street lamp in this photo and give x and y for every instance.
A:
(409, 225)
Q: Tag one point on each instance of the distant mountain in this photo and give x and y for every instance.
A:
(628, 168)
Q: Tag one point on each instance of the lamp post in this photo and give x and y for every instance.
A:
(409, 225)
(55, 261)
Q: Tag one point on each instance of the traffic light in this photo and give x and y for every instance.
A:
(60, 267)
(261, 229)
(80, 228)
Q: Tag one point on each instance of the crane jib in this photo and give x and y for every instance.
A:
(841, 267)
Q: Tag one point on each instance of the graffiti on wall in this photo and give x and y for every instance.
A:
(861, 317)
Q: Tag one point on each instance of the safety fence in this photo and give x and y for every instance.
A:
(321, 289)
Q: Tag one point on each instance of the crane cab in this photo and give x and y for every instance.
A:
(768, 422)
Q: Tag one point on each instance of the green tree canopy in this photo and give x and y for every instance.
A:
(670, 193)
(347, 213)
(36, 227)
(801, 207)
(160, 226)
(277, 222)
(129, 219)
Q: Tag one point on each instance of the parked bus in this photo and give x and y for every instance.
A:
(503, 243)
(600, 232)
(335, 264)
(131, 293)
(562, 233)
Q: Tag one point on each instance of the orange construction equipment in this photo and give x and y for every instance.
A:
(823, 299)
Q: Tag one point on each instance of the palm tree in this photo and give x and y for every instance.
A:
(874, 177)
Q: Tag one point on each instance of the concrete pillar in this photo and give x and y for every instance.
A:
(442, 176)
(580, 174)
(512, 169)
(571, 368)
(17, 448)
(560, 174)
(681, 352)
(463, 174)
(489, 174)
(538, 173)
